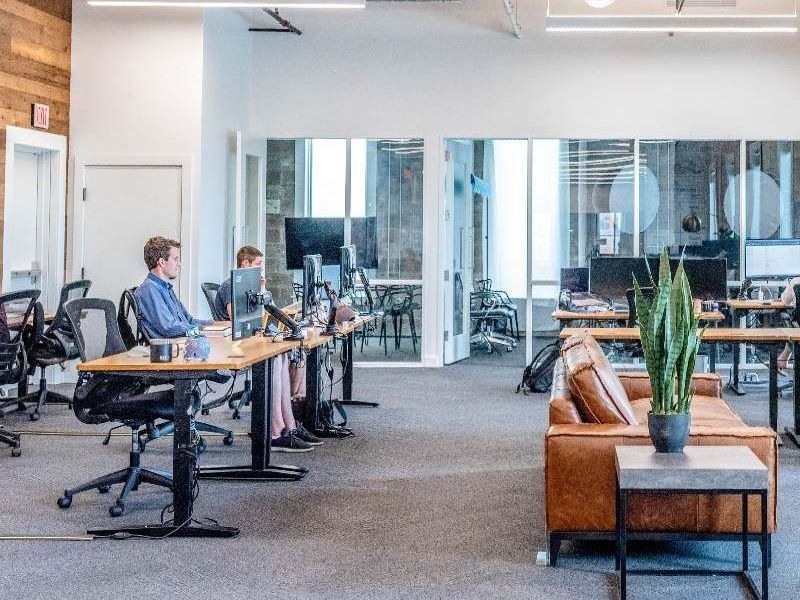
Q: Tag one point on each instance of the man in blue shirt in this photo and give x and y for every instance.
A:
(161, 313)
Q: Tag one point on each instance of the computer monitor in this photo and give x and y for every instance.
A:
(347, 271)
(575, 279)
(307, 236)
(312, 283)
(708, 277)
(611, 277)
(247, 311)
(771, 259)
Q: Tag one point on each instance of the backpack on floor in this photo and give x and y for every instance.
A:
(538, 376)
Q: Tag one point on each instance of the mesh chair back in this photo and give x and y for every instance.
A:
(94, 321)
(59, 334)
(210, 290)
(630, 295)
(297, 289)
(128, 321)
(13, 361)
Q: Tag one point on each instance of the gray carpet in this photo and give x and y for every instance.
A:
(439, 496)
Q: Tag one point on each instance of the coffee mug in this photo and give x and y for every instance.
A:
(162, 351)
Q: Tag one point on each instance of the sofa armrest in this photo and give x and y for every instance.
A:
(580, 477)
(637, 384)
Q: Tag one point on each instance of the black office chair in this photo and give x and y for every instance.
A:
(13, 358)
(210, 291)
(485, 285)
(103, 398)
(51, 347)
(235, 400)
(129, 314)
(297, 290)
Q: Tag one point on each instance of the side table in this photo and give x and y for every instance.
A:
(698, 470)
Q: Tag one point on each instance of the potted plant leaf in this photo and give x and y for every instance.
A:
(670, 341)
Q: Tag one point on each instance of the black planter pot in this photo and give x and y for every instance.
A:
(668, 433)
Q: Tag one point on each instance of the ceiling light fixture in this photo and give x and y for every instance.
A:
(318, 4)
(600, 3)
(731, 29)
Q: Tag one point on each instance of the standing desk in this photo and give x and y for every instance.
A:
(313, 343)
(256, 353)
(740, 308)
(620, 318)
(773, 339)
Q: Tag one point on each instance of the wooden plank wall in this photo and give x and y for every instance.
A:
(35, 43)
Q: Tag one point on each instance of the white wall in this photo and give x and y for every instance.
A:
(136, 92)
(226, 78)
(455, 70)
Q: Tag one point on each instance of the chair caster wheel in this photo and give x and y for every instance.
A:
(204, 412)
(103, 489)
(65, 501)
(236, 414)
(116, 510)
(16, 451)
(34, 416)
(228, 439)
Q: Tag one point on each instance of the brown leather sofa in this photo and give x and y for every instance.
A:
(592, 410)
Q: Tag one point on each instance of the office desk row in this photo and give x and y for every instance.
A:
(257, 354)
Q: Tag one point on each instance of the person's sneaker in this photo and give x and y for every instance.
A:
(305, 435)
(289, 442)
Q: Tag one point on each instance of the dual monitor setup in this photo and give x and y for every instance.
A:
(247, 297)
(611, 277)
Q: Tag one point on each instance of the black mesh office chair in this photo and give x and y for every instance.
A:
(634, 349)
(13, 359)
(129, 314)
(52, 346)
(210, 291)
(103, 398)
(235, 400)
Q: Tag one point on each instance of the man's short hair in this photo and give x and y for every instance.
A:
(158, 247)
(247, 253)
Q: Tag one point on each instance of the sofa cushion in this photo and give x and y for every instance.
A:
(706, 411)
(596, 390)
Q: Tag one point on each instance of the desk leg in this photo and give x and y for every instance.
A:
(734, 383)
(773, 386)
(794, 432)
(622, 543)
(184, 459)
(313, 383)
(259, 468)
(347, 377)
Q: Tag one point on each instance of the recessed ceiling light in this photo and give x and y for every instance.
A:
(319, 4)
(600, 3)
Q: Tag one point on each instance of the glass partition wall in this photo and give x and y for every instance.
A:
(379, 205)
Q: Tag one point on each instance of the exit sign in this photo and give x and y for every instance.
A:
(41, 116)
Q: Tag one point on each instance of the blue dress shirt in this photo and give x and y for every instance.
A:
(161, 313)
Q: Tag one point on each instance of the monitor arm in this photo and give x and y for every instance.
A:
(330, 327)
(265, 300)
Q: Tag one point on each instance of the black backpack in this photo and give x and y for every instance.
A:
(538, 376)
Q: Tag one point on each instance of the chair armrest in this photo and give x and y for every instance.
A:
(637, 385)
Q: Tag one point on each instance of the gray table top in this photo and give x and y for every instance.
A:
(697, 468)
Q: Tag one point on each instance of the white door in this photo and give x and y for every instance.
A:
(30, 223)
(124, 206)
(458, 274)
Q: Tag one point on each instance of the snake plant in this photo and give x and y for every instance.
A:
(670, 338)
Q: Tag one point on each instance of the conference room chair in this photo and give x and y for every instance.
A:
(485, 285)
(103, 398)
(13, 359)
(130, 317)
(489, 316)
(236, 400)
(50, 347)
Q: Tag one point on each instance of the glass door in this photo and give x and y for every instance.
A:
(458, 275)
